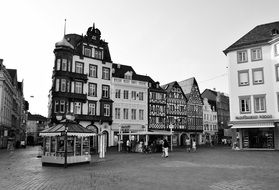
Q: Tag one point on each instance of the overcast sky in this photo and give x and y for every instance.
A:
(169, 40)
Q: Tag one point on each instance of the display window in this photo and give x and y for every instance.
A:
(85, 148)
(258, 138)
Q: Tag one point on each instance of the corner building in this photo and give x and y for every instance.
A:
(254, 87)
(81, 82)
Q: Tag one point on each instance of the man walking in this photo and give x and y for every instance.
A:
(188, 144)
(166, 148)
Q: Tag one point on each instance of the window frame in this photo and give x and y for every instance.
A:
(64, 65)
(264, 98)
(140, 96)
(238, 56)
(63, 84)
(258, 58)
(253, 71)
(248, 99)
(91, 71)
(77, 63)
(243, 71)
(105, 92)
(141, 114)
(277, 71)
(125, 113)
(126, 95)
(94, 92)
(77, 87)
(118, 93)
(94, 107)
(106, 75)
(98, 53)
(80, 108)
(87, 48)
(117, 113)
(134, 95)
(133, 114)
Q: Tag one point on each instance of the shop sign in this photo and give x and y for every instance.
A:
(125, 128)
(254, 117)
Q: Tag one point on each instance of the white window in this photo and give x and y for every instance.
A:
(92, 89)
(105, 91)
(58, 63)
(140, 114)
(126, 94)
(245, 104)
(56, 106)
(106, 73)
(242, 56)
(87, 52)
(125, 113)
(78, 87)
(93, 71)
(64, 64)
(91, 109)
(259, 103)
(106, 110)
(134, 114)
(57, 85)
(62, 106)
(63, 85)
(140, 95)
(79, 67)
(243, 78)
(77, 108)
(117, 113)
(117, 93)
(258, 76)
(134, 95)
(256, 54)
(276, 49)
(98, 53)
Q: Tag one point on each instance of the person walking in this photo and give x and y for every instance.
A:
(166, 147)
(194, 145)
(128, 145)
(188, 144)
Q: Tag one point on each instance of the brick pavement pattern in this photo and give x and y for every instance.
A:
(210, 168)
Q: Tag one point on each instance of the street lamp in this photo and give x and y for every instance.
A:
(66, 144)
(195, 110)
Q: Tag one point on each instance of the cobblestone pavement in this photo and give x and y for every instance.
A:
(209, 168)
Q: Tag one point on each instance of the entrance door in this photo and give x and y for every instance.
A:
(93, 139)
(106, 139)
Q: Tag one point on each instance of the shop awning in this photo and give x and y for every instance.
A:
(73, 129)
(155, 132)
(253, 125)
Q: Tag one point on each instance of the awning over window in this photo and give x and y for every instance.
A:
(253, 125)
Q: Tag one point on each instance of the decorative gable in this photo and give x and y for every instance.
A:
(195, 97)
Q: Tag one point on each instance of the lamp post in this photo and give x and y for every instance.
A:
(65, 142)
(195, 110)
(171, 127)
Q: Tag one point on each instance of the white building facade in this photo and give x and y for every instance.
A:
(210, 124)
(129, 95)
(254, 87)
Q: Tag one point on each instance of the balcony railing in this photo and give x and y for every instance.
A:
(94, 118)
(71, 96)
(70, 75)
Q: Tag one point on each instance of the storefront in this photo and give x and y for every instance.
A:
(256, 135)
(66, 143)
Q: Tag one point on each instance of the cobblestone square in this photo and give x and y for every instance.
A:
(218, 168)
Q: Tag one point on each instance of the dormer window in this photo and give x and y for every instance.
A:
(98, 53)
(87, 52)
(128, 75)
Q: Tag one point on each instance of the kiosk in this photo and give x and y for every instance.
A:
(66, 143)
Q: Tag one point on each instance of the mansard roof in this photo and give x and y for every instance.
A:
(120, 70)
(260, 34)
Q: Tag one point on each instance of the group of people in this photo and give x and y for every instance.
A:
(189, 146)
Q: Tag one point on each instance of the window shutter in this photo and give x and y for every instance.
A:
(258, 77)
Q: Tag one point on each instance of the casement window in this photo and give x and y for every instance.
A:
(278, 100)
(98, 53)
(243, 78)
(134, 114)
(57, 85)
(79, 67)
(117, 93)
(277, 71)
(125, 113)
(117, 113)
(77, 107)
(92, 108)
(63, 85)
(242, 56)
(258, 77)
(87, 51)
(256, 54)
(259, 103)
(64, 65)
(92, 89)
(134, 95)
(56, 106)
(276, 49)
(140, 114)
(140, 95)
(126, 94)
(58, 64)
(78, 87)
(245, 104)
(62, 106)
(106, 73)
(105, 91)
(93, 71)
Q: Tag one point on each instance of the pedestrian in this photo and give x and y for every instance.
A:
(188, 144)
(194, 145)
(128, 145)
(166, 147)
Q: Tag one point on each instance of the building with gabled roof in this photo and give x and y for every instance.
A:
(253, 67)
(194, 108)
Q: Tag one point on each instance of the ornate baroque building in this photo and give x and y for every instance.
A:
(81, 82)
